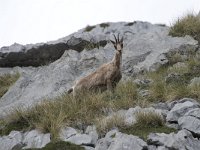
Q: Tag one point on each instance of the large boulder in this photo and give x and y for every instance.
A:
(191, 121)
(17, 140)
(35, 139)
(145, 46)
(115, 140)
(180, 108)
(41, 53)
(127, 142)
(12, 141)
(182, 140)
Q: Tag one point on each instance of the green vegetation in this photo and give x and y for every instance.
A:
(6, 81)
(92, 45)
(186, 25)
(59, 145)
(104, 25)
(89, 28)
(130, 23)
(105, 124)
(51, 115)
(146, 123)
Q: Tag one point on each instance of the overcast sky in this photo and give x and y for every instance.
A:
(33, 21)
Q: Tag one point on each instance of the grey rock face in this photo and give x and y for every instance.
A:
(191, 121)
(65, 133)
(115, 140)
(179, 110)
(144, 44)
(127, 142)
(35, 139)
(41, 53)
(80, 139)
(104, 143)
(183, 140)
(12, 141)
(17, 140)
(91, 131)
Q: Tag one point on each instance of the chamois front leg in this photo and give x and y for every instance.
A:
(109, 86)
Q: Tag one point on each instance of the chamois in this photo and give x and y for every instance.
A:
(106, 76)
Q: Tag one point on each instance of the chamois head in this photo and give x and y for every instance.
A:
(118, 44)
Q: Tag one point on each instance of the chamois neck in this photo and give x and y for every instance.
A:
(117, 59)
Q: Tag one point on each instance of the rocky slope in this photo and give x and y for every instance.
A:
(59, 63)
(144, 49)
(185, 112)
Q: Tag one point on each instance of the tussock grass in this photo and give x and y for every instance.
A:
(85, 109)
(186, 25)
(194, 87)
(149, 119)
(105, 124)
(6, 81)
(146, 123)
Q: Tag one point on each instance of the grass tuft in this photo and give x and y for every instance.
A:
(149, 119)
(6, 81)
(186, 25)
(146, 123)
(105, 124)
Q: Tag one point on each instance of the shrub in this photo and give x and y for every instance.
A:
(104, 25)
(89, 28)
(130, 23)
(186, 25)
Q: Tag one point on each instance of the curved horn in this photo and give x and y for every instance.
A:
(118, 38)
(115, 37)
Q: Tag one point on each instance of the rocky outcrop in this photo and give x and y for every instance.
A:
(40, 54)
(182, 140)
(180, 109)
(145, 48)
(17, 140)
(191, 121)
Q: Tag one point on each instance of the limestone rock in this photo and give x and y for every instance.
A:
(183, 140)
(67, 132)
(80, 139)
(127, 142)
(91, 131)
(12, 141)
(191, 121)
(180, 109)
(35, 139)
